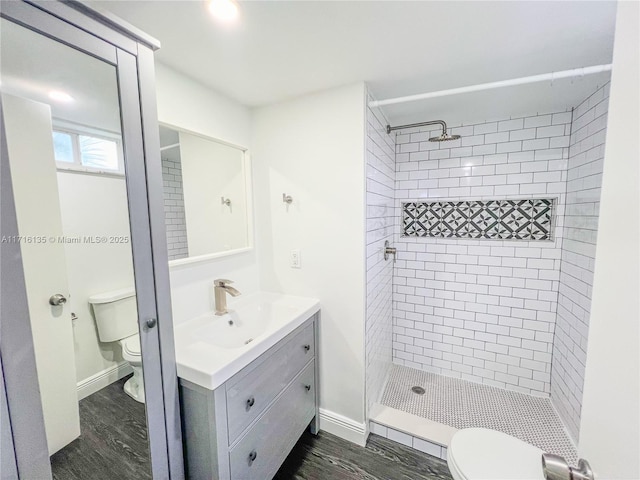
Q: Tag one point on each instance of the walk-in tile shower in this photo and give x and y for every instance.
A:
(495, 235)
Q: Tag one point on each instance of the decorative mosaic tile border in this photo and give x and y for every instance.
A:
(525, 219)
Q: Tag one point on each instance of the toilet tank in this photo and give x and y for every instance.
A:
(116, 314)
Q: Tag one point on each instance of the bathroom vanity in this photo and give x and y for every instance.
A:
(241, 422)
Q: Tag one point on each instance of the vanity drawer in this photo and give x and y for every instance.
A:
(259, 454)
(251, 394)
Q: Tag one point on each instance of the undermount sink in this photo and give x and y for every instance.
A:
(212, 348)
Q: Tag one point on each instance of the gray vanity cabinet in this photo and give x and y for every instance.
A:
(246, 427)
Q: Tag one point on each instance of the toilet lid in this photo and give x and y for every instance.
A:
(131, 345)
(483, 454)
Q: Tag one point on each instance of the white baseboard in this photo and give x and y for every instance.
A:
(102, 379)
(343, 427)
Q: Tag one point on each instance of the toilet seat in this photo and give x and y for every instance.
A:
(484, 454)
(131, 351)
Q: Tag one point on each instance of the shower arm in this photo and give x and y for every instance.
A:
(423, 124)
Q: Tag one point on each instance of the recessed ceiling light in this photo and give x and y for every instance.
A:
(226, 10)
(60, 96)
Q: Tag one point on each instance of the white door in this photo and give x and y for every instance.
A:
(35, 187)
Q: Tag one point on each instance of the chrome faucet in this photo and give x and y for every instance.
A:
(221, 288)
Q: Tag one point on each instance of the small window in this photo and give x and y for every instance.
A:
(87, 150)
(98, 153)
(63, 147)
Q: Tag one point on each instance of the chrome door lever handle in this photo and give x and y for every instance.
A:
(555, 467)
(57, 299)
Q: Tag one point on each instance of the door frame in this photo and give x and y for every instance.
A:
(109, 39)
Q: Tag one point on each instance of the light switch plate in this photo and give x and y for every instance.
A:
(294, 259)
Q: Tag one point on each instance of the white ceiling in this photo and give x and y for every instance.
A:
(279, 50)
(32, 65)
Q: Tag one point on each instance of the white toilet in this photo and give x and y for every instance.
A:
(117, 320)
(484, 454)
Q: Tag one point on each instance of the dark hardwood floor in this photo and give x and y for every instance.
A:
(113, 446)
(112, 443)
(327, 457)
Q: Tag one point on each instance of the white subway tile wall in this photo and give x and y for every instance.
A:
(174, 209)
(586, 155)
(481, 310)
(380, 224)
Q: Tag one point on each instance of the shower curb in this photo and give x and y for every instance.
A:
(411, 430)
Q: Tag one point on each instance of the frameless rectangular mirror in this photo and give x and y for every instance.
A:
(206, 196)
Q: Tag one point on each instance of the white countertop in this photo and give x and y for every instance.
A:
(211, 349)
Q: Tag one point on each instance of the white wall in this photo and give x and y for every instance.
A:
(184, 103)
(312, 148)
(380, 225)
(609, 428)
(94, 268)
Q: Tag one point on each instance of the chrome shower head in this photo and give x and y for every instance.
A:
(444, 137)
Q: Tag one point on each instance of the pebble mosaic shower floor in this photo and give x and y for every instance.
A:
(462, 404)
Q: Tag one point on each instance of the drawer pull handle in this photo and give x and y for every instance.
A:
(252, 456)
(308, 387)
(307, 348)
(250, 402)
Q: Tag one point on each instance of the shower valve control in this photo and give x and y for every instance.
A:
(388, 250)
